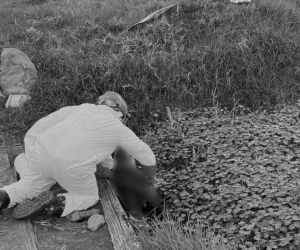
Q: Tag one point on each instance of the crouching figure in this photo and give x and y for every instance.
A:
(65, 147)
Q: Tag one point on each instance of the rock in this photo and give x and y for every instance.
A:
(81, 215)
(95, 222)
(15, 101)
(17, 77)
(89, 213)
(74, 217)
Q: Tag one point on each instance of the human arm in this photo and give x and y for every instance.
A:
(139, 150)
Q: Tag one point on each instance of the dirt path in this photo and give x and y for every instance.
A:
(60, 233)
(63, 234)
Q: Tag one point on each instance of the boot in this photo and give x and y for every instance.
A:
(4, 200)
(45, 203)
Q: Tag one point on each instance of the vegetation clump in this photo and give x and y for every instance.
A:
(238, 174)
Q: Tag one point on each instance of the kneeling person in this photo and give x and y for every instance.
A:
(64, 148)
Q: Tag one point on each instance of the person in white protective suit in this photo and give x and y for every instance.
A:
(65, 147)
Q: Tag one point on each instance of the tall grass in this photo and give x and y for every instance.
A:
(210, 52)
(171, 235)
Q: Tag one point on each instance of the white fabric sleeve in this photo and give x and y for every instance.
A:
(108, 162)
(136, 147)
(44, 123)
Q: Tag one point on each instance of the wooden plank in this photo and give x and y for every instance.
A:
(14, 234)
(122, 233)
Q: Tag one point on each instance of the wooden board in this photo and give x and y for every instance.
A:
(14, 234)
(122, 233)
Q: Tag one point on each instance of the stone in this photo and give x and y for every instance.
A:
(81, 215)
(95, 222)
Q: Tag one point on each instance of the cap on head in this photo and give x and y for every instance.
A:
(113, 100)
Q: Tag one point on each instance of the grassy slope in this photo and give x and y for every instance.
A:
(213, 52)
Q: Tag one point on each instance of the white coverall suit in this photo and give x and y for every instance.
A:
(66, 146)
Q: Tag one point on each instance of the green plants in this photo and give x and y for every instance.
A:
(171, 235)
(237, 174)
(209, 52)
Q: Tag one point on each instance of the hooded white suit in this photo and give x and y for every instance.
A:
(66, 146)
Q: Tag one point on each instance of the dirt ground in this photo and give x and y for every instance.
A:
(60, 233)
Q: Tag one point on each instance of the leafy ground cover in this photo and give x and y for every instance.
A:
(238, 174)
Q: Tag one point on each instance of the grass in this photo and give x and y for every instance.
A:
(209, 53)
(171, 235)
